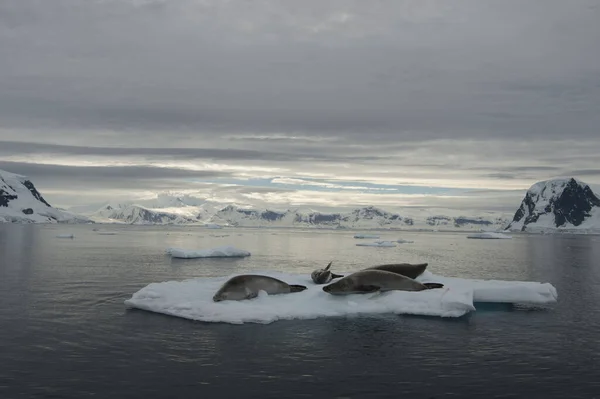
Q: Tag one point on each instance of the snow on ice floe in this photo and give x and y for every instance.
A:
(503, 291)
(489, 235)
(361, 236)
(192, 299)
(218, 252)
(65, 236)
(377, 244)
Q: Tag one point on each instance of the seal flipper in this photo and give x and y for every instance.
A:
(297, 288)
(433, 285)
(333, 275)
(367, 288)
(328, 266)
(251, 295)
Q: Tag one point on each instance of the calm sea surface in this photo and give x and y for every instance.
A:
(65, 332)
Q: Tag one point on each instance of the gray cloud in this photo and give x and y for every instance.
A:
(397, 69)
(96, 176)
(502, 93)
(298, 153)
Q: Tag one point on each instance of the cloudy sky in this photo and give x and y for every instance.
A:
(321, 103)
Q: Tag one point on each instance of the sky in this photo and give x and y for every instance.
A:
(325, 104)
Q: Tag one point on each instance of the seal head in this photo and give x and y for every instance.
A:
(323, 276)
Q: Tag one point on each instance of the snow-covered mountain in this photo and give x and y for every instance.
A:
(361, 218)
(164, 209)
(558, 204)
(190, 210)
(21, 202)
(136, 214)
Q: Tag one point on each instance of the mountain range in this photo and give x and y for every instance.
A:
(557, 204)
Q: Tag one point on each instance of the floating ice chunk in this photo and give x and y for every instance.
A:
(497, 290)
(489, 235)
(377, 244)
(65, 236)
(402, 241)
(213, 226)
(218, 252)
(366, 236)
(192, 299)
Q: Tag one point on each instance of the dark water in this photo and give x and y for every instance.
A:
(65, 333)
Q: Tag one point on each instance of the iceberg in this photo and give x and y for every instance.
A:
(192, 299)
(376, 244)
(489, 235)
(218, 252)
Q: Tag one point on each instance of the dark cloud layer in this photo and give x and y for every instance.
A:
(398, 69)
(297, 154)
(124, 176)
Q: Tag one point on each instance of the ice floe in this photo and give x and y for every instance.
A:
(192, 299)
(218, 252)
(489, 235)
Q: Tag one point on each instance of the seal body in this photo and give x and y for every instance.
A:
(323, 276)
(405, 269)
(366, 281)
(247, 286)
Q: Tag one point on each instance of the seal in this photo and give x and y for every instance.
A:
(323, 276)
(405, 269)
(247, 286)
(367, 281)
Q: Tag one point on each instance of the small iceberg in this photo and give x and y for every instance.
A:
(192, 299)
(376, 244)
(65, 236)
(361, 236)
(489, 236)
(213, 226)
(219, 252)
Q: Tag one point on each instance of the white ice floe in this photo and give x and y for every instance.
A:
(377, 244)
(489, 235)
(497, 290)
(361, 236)
(218, 252)
(192, 299)
(65, 236)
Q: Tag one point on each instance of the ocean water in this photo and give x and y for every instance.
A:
(65, 332)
